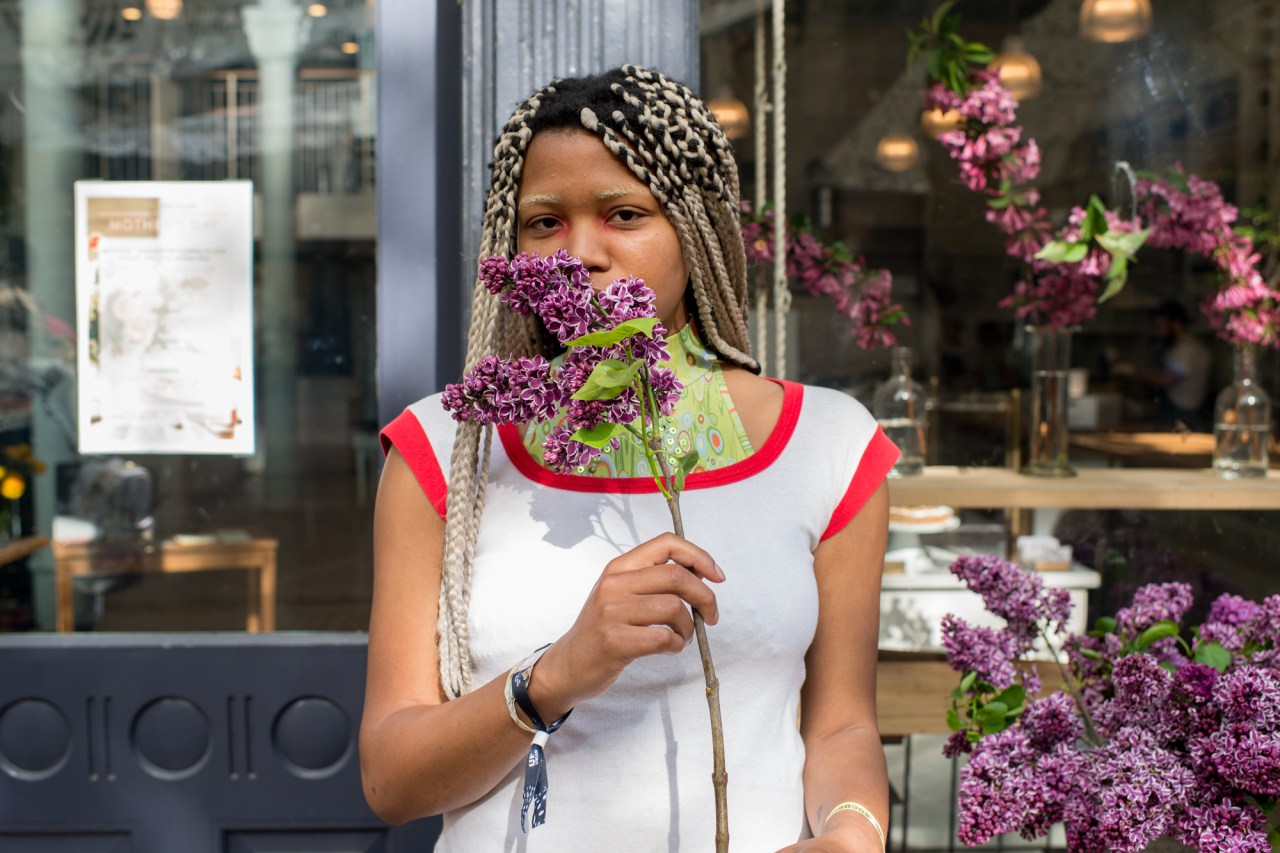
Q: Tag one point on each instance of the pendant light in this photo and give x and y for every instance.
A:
(731, 113)
(1115, 20)
(164, 10)
(936, 122)
(897, 152)
(1019, 71)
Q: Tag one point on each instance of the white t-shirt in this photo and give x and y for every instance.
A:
(631, 770)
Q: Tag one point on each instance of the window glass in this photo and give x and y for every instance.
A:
(171, 536)
(1195, 90)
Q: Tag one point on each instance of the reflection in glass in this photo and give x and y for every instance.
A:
(203, 90)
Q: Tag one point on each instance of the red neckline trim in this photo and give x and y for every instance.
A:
(792, 397)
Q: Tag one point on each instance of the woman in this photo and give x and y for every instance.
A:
(629, 172)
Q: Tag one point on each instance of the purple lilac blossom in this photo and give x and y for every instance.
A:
(1130, 794)
(861, 296)
(1157, 602)
(988, 652)
(497, 391)
(1051, 721)
(1014, 594)
(1140, 695)
(1225, 827)
(557, 289)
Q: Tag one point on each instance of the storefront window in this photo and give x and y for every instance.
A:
(1194, 87)
(165, 533)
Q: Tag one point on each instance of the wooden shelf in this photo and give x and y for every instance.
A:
(19, 548)
(1092, 488)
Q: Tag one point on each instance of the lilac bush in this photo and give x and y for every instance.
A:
(1065, 274)
(1160, 729)
(863, 297)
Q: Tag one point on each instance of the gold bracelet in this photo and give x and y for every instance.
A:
(862, 810)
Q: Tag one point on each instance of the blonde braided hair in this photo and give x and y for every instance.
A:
(669, 140)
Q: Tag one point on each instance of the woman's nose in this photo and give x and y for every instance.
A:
(588, 247)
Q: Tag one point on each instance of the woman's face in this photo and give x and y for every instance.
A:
(575, 195)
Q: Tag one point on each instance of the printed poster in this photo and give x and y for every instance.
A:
(164, 310)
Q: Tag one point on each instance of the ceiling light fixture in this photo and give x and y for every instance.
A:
(1115, 20)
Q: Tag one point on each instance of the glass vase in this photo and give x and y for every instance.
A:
(1242, 421)
(900, 405)
(1050, 349)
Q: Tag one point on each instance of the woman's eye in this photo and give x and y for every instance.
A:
(542, 223)
(626, 216)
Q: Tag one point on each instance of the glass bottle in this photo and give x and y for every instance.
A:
(1242, 421)
(1049, 442)
(900, 405)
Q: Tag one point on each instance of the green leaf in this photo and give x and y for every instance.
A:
(685, 466)
(1062, 252)
(953, 720)
(1012, 696)
(940, 14)
(609, 379)
(1105, 624)
(1124, 244)
(1214, 655)
(1090, 654)
(967, 682)
(622, 331)
(1158, 631)
(597, 436)
(1117, 275)
(992, 717)
(1095, 219)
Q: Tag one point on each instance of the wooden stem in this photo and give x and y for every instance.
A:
(719, 776)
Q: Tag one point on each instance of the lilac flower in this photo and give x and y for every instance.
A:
(1051, 721)
(1232, 610)
(986, 651)
(1130, 795)
(557, 290)
(497, 391)
(1157, 602)
(861, 296)
(1225, 826)
(1141, 690)
(998, 787)
(1013, 593)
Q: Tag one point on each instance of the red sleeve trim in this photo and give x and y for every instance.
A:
(792, 399)
(877, 459)
(405, 433)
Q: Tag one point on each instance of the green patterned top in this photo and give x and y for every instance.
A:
(705, 418)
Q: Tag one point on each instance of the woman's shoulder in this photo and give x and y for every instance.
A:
(758, 402)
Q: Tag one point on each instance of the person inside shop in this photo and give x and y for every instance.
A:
(1180, 382)
(495, 576)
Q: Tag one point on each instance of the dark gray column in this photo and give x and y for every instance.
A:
(419, 91)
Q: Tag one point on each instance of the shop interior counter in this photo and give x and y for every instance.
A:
(1091, 488)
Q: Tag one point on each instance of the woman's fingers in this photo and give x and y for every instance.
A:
(669, 548)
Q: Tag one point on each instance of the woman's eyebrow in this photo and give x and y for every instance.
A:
(539, 198)
(617, 192)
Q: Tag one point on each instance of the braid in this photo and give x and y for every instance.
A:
(670, 141)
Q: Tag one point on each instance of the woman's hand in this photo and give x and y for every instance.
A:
(852, 840)
(639, 607)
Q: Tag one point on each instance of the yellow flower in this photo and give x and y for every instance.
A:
(12, 487)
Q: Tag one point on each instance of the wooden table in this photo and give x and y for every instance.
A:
(1092, 488)
(257, 557)
(913, 690)
(16, 549)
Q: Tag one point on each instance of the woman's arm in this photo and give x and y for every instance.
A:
(421, 755)
(845, 761)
